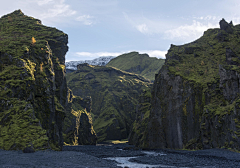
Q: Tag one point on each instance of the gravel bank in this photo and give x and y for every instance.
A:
(210, 158)
(51, 159)
(95, 156)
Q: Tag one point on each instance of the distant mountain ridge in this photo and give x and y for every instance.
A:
(101, 61)
(141, 64)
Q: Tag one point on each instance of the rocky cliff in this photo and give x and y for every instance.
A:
(141, 64)
(195, 97)
(33, 88)
(138, 132)
(114, 96)
(78, 126)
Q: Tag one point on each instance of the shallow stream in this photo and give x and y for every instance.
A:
(124, 161)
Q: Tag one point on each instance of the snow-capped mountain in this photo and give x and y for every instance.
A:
(101, 61)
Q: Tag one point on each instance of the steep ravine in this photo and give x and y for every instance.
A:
(114, 95)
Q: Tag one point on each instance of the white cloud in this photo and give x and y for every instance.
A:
(43, 2)
(85, 19)
(60, 8)
(97, 54)
(235, 20)
(142, 28)
(208, 18)
(145, 25)
(189, 32)
(155, 53)
(50, 12)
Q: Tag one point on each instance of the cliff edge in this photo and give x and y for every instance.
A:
(195, 97)
(33, 88)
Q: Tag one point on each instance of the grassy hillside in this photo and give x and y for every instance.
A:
(137, 63)
(114, 97)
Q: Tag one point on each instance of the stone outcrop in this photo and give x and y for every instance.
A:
(78, 127)
(195, 97)
(33, 88)
(114, 96)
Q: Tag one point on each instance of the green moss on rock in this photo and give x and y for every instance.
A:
(33, 87)
(195, 100)
(78, 125)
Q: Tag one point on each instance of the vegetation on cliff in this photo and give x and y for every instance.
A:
(195, 98)
(114, 96)
(33, 88)
(139, 128)
(141, 64)
(78, 126)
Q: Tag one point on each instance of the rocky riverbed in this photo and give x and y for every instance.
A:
(119, 155)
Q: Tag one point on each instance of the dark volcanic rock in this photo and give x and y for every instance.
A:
(225, 26)
(195, 100)
(78, 127)
(142, 117)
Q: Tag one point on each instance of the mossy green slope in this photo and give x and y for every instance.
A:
(137, 63)
(195, 98)
(33, 88)
(114, 96)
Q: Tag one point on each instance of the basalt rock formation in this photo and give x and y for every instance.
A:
(195, 100)
(114, 96)
(141, 64)
(139, 132)
(78, 127)
(33, 88)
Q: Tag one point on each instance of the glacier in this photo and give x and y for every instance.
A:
(101, 61)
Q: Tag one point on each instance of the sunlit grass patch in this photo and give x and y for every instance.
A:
(123, 141)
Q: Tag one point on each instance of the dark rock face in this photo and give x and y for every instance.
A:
(173, 118)
(138, 132)
(32, 84)
(78, 126)
(86, 134)
(195, 99)
(225, 26)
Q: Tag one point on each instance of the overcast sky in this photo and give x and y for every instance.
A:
(111, 27)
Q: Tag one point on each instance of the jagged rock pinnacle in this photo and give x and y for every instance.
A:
(226, 26)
